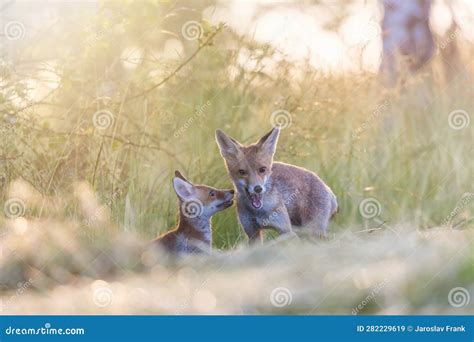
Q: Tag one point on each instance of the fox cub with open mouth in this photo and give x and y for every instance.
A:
(273, 194)
(197, 204)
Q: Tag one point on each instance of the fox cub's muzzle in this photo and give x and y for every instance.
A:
(226, 199)
(254, 193)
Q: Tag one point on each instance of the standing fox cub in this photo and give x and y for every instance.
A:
(197, 204)
(273, 194)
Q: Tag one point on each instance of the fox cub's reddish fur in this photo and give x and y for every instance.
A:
(272, 194)
(197, 204)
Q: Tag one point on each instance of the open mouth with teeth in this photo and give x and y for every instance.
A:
(255, 199)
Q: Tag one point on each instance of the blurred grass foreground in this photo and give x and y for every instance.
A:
(103, 104)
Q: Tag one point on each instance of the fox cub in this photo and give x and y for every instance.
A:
(273, 194)
(197, 204)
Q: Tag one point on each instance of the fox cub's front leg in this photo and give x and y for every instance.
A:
(251, 228)
(277, 219)
(280, 221)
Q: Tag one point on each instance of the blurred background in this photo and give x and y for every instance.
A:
(101, 101)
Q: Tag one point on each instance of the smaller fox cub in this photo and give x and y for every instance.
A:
(197, 204)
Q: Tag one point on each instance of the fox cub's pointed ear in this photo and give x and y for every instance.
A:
(183, 189)
(269, 141)
(228, 146)
(178, 174)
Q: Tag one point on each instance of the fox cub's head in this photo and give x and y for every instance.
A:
(249, 166)
(200, 200)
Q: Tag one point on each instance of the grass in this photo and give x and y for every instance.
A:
(403, 271)
(93, 197)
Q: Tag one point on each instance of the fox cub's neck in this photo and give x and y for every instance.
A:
(197, 228)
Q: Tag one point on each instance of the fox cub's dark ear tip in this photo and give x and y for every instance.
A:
(221, 136)
(179, 174)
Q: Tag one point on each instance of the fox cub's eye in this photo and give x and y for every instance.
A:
(242, 172)
(212, 194)
(262, 169)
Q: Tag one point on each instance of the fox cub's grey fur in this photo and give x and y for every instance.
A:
(272, 194)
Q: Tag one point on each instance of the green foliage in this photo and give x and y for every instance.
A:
(396, 147)
(98, 116)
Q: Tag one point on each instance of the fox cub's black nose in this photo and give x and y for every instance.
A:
(258, 189)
